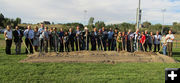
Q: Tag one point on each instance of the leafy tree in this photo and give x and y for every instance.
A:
(1, 19)
(18, 20)
(146, 24)
(99, 24)
(90, 23)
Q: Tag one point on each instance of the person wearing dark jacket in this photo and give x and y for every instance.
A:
(17, 39)
(104, 37)
(71, 38)
(94, 41)
(110, 39)
(113, 47)
(61, 36)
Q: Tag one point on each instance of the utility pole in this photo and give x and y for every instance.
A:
(138, 15)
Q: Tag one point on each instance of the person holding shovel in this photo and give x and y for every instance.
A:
(55, 39)
(41, 39)
(113, 47)
(71, 36)
(119, 42)
(36, 38)
(18, 34)
(29, 35)
(66, 42)
(157, 39)
(170, 38)
(45, 35)
(61, 35)
(164, 44)
(142, 41)
(77, 38)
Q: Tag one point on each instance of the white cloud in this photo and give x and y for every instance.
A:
(105, 10)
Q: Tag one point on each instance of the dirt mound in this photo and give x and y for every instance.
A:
(100, 56)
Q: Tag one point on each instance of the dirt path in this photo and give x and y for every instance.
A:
(111, 57)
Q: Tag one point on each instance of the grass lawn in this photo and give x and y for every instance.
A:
(11, 71)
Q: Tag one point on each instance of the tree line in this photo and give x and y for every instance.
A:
(4, 21)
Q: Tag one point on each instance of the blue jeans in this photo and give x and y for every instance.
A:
(164, 49)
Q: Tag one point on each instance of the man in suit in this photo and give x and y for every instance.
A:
(71, 38)
(104, 37)
(17, 39)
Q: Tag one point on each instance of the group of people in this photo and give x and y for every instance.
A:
(46, 39)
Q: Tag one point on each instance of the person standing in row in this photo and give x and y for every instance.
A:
(61, 35)
(94, 39)
(163, 43)
(124, 39)
(150, 41)
(104, 37)
(86, 38)
(129, 41)
(110, 39)
(8, 37)
(36, 39)
(55, 39)
(100, 43)
(142, 41)
(119, 42)
(29, 35)
(45, 35)
(41, 40)
(18, 34)
(170, 38)
(66, 42)
(113, 47)
(51, 43)
(136, 40)
(146, 41)
(77, 38)
(157, 39)
(71, 39)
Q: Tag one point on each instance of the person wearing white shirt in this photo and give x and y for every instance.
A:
(169, 39)
(157, 39)
(29, 34)
(8, 37)
(136, 37)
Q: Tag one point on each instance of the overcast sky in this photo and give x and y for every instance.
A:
(110, 11)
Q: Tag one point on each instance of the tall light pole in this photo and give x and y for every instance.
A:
(163, 11)
(138, 15)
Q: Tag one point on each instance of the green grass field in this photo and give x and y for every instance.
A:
(11, 71)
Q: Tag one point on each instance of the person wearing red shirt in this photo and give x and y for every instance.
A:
(142, 41)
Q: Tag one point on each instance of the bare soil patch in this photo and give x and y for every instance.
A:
(111, 57)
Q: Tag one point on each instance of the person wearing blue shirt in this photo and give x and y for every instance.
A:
(77, 38)
(110, 38)
(41, 41)
(29, 35)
